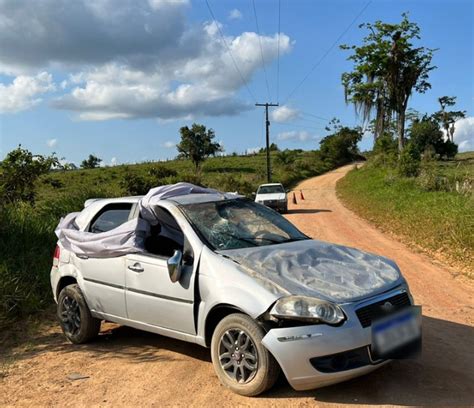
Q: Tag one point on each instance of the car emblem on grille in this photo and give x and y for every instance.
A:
(387, 307)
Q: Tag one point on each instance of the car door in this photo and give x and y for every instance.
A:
(152, 297)
(104, 278)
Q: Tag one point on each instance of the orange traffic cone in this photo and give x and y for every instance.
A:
(294, 198)
(301, 194)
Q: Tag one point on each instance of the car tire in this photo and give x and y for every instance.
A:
(74, 316)
(250, 369)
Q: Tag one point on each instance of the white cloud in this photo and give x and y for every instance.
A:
(235, 14)
(51, 142)
(464, 134)
(163, 4)
(24, 91)
(293, 135)
(113, 161)
(207, 86)
(169, 144)
(133, 58)
(284, 114)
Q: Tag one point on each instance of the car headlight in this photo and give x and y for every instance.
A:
(307, 309)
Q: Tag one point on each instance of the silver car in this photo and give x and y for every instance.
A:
(240, 279)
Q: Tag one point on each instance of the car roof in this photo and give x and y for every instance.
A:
(94, 205)
(270, 184)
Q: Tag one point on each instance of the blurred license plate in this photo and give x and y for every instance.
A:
(397, 335)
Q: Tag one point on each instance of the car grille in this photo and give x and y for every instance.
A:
(373, 311)
(269, 202)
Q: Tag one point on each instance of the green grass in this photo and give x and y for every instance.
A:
(442, 222)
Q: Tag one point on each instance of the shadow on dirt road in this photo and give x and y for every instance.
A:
(442, 376)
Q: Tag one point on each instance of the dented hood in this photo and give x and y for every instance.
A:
(318, 269)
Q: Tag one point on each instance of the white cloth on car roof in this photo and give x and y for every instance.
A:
(130, 236)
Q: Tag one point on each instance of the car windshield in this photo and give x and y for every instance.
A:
(270, 189)
(240, 223)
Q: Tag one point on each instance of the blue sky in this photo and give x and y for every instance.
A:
(124, 77)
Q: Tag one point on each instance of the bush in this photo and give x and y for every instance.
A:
(19, 172)
(160, 172)
(133, 184)
(409, 162)
(385, 152)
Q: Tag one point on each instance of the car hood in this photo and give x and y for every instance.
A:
(319, 269)
(273, 196)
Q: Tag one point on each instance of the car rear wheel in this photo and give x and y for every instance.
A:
(75, 317)
(240, 360)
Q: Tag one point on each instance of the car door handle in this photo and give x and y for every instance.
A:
(136, 267)
(82, 256)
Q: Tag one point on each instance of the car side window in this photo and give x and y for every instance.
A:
(110, 217)
(166, 237)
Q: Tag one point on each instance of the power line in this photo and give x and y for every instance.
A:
(278, 58)
(314, 116)
(327, 52)
(261, 49)
(244, 82)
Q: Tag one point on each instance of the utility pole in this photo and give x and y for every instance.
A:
(267, 127)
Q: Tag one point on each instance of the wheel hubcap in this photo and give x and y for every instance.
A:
(238, 356)
(70, 315)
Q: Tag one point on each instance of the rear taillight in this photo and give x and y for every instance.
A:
(57, 252)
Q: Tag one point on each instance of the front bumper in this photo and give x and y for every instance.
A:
(318, 355)
(276, 205)
(295, 347)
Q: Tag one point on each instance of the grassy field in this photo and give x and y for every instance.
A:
(229, 173)
(440, 221)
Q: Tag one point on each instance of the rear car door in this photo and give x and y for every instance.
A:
(104, 278)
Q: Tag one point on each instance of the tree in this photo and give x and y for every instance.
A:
(197, 144)
(425, 134)
(91, 162)
(447, 119)
(273, 148)
(387, 69)
(341, 147)
(19, 172)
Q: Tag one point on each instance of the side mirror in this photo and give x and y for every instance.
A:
(174, 265)
(254, 194)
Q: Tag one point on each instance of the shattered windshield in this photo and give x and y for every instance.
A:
(240, 223)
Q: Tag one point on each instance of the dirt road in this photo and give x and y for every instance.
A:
(126, 367)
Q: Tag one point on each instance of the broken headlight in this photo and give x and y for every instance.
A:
(307, 309)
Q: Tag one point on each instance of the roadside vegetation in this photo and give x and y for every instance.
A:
(36, 191)
(434, 211)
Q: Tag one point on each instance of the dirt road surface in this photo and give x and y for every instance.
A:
(127, 367)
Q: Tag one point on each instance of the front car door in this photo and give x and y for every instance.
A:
(152, 298)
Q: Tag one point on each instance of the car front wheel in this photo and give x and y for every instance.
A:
(75, 317)
(240, 360)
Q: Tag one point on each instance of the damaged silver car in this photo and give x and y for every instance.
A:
(235, 276)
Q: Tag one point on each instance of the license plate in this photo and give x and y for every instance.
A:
(397, 335)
